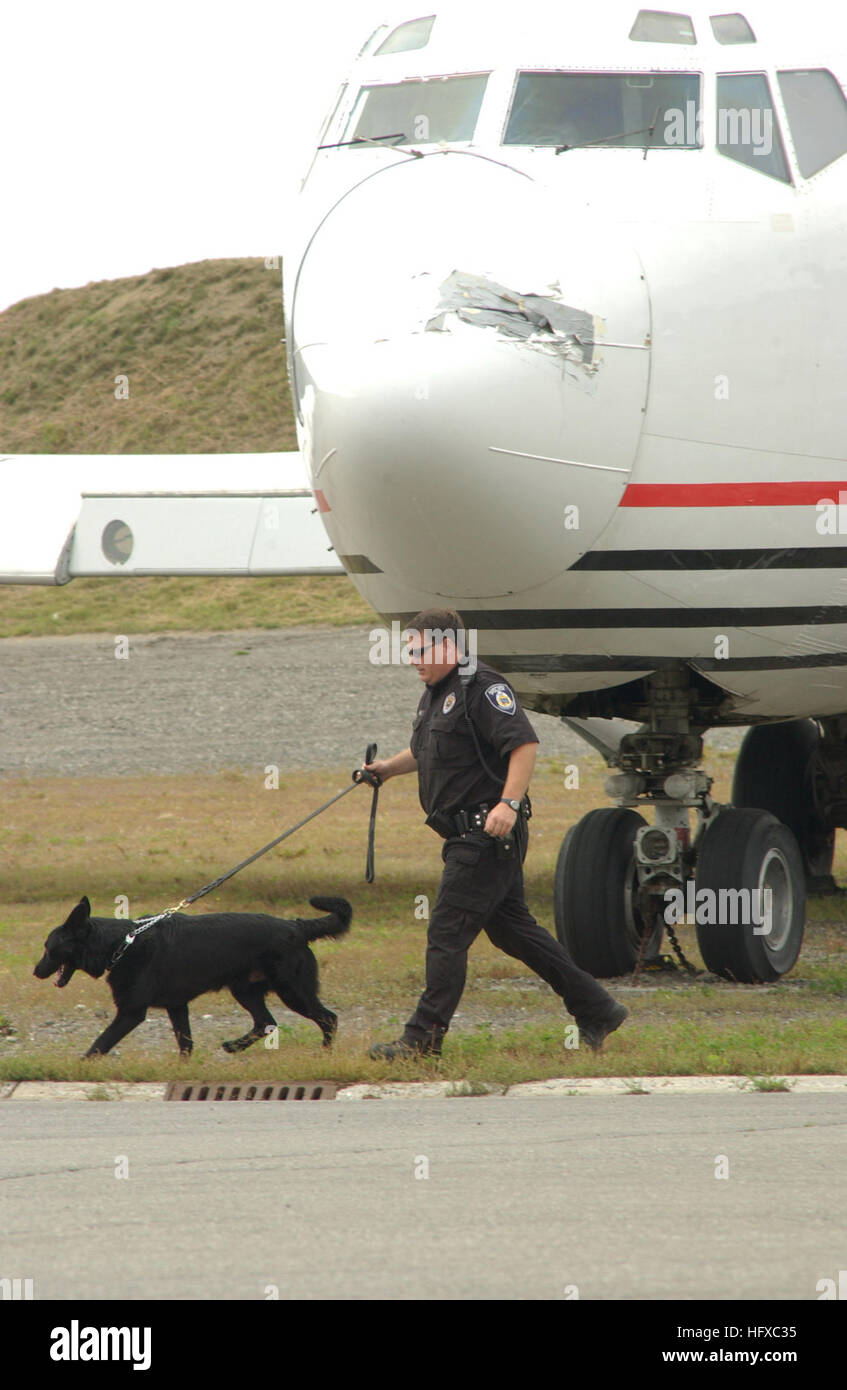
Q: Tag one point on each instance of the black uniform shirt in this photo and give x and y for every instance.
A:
(450, 773)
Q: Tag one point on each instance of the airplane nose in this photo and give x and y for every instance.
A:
(471, 366)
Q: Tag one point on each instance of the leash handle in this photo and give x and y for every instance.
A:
(375, 782)
(362, 775)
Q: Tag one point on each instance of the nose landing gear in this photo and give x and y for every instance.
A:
(596, 893)
(751, 865)
(620, 881)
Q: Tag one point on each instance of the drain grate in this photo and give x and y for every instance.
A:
(251, 1090)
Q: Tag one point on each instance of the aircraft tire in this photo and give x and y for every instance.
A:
(772, 772)
(750, 849)
(594, 893)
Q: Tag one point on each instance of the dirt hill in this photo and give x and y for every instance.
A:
(199, 344)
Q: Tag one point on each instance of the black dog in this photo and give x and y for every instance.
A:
(180, 957)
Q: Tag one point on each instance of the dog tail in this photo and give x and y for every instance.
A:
(338, 922)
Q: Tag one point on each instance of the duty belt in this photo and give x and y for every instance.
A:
(469, 818)
(474, 817)
(450, 823)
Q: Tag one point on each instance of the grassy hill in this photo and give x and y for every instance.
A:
(201, 347)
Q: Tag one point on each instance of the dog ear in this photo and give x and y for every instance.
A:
(80, 914)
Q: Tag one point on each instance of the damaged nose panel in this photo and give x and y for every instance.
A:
(535, 318)
(464, 350)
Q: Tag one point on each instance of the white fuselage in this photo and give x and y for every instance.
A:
(593, 399)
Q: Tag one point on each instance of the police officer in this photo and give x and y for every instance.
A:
(474, 752)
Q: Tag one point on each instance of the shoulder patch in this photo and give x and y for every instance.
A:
(449, 702)
(501, 697)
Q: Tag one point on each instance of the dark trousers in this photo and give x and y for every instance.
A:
(482, 890)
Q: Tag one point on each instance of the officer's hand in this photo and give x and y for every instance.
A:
(368, 773)
(500, 820)
(383, 768)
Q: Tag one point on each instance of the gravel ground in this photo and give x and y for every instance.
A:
(302, 698)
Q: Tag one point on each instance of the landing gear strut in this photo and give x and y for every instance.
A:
(618, 878)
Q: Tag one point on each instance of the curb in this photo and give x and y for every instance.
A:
(425, 1090)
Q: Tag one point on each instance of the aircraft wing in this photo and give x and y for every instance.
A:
(66, 516)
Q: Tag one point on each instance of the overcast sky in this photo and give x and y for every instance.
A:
(149, 134)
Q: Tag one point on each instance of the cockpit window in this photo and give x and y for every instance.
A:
(431, 109)
(413, 34)
(747, 128)
(627, 110)
(731, 28)
(817, 115)
(660, 26)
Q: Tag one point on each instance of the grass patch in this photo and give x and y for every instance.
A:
(171, 604)
(510, 1026)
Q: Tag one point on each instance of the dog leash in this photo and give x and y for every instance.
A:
(360, 776)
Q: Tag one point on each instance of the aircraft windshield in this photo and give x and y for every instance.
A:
(747, 128)
(616, 109)
(425, 110)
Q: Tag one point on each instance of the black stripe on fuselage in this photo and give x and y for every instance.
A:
(544, 663)
(523, 619)
(817, 557)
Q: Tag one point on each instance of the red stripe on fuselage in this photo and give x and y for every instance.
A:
(731, 494)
